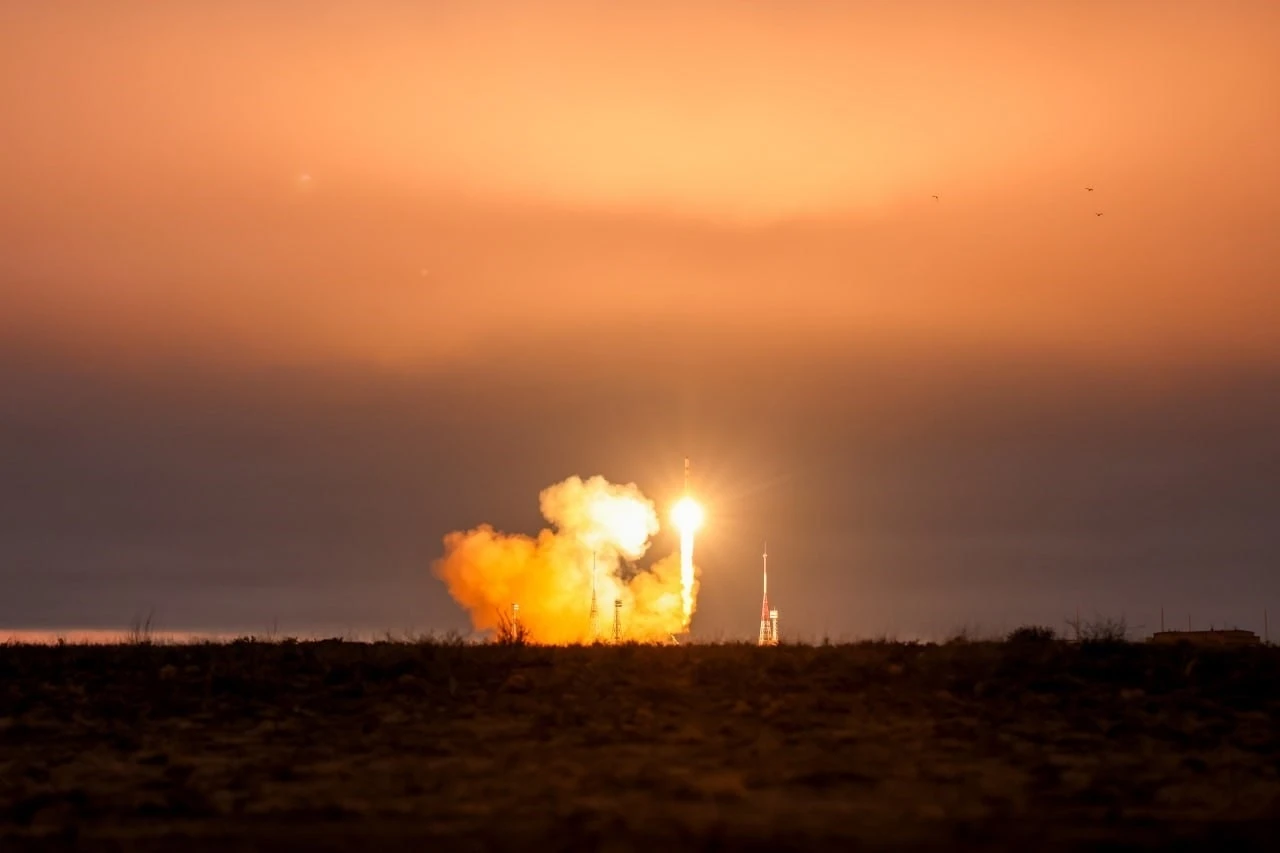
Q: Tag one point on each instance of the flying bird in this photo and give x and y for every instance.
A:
(1097, 214)
(1090, 189)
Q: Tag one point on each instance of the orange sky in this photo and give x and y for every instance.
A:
(488, 175)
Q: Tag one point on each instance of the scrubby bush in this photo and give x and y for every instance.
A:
(140, 631)
(511, 631)
(1105, 631)
(1031, 634)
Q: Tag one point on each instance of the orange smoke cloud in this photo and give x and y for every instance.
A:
(550, 575)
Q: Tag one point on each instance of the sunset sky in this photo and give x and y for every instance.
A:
(289, 290)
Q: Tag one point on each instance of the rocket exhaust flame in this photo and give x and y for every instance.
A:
(687, 515)
(551, 574)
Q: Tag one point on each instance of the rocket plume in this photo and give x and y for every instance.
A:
(551, 574)
(687, 515)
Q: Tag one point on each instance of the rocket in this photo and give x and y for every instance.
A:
(686, 475)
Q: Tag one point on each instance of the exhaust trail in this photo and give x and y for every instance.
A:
(688, 516)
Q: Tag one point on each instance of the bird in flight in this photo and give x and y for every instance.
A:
(1097, 214)
(1089, 189)
(935, 198)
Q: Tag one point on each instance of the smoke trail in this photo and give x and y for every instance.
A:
(550, 575)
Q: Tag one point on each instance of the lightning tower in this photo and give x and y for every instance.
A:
(617, 620)
(768, 618)
(593, 620)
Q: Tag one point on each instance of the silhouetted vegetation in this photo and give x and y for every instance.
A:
(511, 631)
(140, 630)
(1031, 634)
(397, 745)
(1104, 631)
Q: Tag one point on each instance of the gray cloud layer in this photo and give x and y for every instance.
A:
(898, 496)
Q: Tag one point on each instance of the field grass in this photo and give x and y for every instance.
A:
(330, 745)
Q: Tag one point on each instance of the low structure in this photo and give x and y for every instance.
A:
(1231, 637)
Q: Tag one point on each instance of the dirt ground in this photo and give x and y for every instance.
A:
(330, 745)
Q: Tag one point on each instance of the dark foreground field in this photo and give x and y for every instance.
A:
(334, 745)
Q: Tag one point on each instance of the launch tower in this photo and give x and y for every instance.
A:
(768, 618)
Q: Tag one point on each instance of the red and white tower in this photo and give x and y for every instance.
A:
(768, 618)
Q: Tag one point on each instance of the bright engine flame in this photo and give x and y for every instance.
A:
(687, 515)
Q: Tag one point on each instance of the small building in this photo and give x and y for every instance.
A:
(1229, 637)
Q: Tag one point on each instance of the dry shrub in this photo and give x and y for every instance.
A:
(511, 631)
(1031, 635)
(1105, 631)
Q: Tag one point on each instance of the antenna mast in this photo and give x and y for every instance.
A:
(768, 618)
